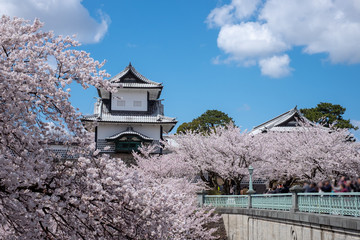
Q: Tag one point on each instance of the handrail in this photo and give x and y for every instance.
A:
(240, 201)
(272, 201)
(344, 204)
(330, 194)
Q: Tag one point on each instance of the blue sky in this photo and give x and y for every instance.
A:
(250, 59)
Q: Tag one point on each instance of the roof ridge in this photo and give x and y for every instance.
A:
(280, 119)
(142, 77)
(135, 72)
(283, 114)
(112, 118)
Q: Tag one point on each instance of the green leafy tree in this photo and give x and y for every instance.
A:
(328, 114)
(207, 121)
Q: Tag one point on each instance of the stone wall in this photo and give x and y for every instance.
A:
(254, 224)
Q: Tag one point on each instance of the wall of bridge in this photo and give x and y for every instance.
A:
(256, 224)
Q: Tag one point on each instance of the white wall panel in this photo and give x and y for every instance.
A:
(107, 130)
(129, 100)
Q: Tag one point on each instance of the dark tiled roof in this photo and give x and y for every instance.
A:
(279, 123)
(131, 119)
(155, 116)
(142, 82)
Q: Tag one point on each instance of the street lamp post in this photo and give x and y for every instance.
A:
(251, 190)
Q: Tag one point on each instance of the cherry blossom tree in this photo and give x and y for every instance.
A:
(224, 153)
(307, 153)
(88, 196)
(165, 166)
(177, 177)
(310, 153)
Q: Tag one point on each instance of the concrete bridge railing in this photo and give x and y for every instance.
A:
(298, 216)
(343, 204)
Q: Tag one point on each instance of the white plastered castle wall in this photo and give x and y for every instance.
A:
(129, 100)
(107, 130)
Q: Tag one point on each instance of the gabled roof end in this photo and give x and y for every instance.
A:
(143, 79)
(279, 120)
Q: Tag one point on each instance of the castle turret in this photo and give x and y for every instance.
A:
(130, 116)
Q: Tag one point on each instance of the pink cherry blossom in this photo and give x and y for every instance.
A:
(309, 153)
(88, 195)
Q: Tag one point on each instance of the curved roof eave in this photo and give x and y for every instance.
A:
(129, 131)
(136, 73)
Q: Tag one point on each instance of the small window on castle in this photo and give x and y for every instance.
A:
(121, 103)
(137, 103)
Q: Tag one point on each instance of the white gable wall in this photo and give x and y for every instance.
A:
(107, 130)
(129, 100)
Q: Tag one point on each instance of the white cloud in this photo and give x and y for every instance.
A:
(249, 40)
(64, 17)
(216, 60)
(325, 26)
(231, 13)
(244, 8)
(321, 26)
(220, 16)
(276, 66)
